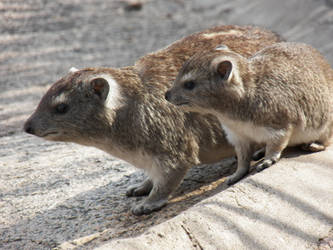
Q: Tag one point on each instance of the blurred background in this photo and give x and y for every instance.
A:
(51, 193)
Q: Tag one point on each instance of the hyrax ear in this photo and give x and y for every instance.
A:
(100, 87)
(223, 68)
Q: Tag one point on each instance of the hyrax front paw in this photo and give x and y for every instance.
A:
(266, 164)
(232, 179)
(141, 189)
(147, 207)
(258, 155)
(134, 190)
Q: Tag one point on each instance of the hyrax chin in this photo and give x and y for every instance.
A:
(123, 112)
(281, 96)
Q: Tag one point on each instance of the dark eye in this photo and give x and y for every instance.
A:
(61, 108)
(189, 85)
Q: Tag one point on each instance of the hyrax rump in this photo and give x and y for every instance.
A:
(123, 112)
(281, 96)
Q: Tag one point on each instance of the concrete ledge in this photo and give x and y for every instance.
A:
(288, 206)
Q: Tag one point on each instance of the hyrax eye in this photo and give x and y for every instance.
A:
(61, 108)
(189, 85)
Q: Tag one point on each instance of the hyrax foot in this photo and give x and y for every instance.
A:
(258, 155)
(141, 189)
(244, 151)
(147, 207)
(236, 177)
(313, 147)
(266, 164)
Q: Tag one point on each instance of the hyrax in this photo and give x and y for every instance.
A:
(283, 95)
(123, 112)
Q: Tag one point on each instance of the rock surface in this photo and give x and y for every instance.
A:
(69, 196)
(288, 206)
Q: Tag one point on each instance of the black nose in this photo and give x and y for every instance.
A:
(167, 95)
(28, 128)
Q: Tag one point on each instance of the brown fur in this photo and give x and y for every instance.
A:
(281, 96)
(144, 129)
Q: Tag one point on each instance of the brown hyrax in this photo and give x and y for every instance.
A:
(123, 112)
(282, 95)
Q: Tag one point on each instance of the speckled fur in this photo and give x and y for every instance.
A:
(283, 95)
(145, 129)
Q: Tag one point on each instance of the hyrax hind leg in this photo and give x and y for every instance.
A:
(321, 143)
(165, 180)
(313, 147)
(309, 147)
(274, 148)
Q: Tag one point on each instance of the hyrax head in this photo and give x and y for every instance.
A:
(208, 80)
(76, 107)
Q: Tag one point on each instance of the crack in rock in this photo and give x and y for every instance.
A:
(195, 242)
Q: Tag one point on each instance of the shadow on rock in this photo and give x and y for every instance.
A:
(104, 213)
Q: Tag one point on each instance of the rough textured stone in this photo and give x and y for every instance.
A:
(288, 206)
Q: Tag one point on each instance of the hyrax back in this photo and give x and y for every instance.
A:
(160, 68)
(281, 96)
(123, 112)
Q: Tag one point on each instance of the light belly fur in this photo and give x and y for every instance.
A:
(239, 131)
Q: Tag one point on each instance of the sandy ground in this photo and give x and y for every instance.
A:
(53, 193)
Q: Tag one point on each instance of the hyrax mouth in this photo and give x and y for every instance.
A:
(182, 103)
(48, 134)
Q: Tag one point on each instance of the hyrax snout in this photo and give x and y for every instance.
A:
(280, 96)
(123, 112)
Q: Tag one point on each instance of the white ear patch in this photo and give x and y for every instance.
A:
(73, 70)
(187, 77)
(114, 98)
(59, 99)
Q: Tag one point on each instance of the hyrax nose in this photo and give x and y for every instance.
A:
(28, 128)
(167, 95)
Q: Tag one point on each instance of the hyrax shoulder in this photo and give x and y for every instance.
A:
(280, 96)
(123, 112)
